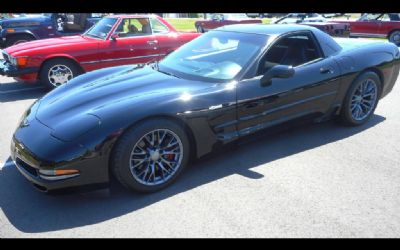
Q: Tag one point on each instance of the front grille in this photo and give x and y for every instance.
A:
(6, 57)
(26, 166)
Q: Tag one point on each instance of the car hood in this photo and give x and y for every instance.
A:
(118, 88)
(46, 43)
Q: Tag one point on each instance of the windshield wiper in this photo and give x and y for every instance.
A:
(156, 67)
(168, 73)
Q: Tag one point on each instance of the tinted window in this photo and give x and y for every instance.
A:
(291, 50)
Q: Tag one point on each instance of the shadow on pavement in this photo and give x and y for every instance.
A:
(15, 91)
(31, 211)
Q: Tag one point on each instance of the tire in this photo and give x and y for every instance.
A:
(200, 29)
(394, 37)
(65, 67)
(126, 149)
(349, 115)
(16, 39)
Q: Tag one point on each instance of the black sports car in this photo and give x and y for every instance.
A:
(144, 122)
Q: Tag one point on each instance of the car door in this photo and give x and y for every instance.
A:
(367, 25)
(217, 20)
(132, 42)
(167, 41)
(309, 93)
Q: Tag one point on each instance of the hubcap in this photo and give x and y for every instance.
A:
(59, 74)
(363, 99)
(156, 157)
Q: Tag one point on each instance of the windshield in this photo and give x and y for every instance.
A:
(101, 28)
(215, 56)
(235, 16)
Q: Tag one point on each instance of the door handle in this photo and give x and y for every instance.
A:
(152, 42)
(326, 70)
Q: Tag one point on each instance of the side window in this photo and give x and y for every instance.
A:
(157, 26)
(291, 50)
(134, 27)
(217, 17)
(385, 18)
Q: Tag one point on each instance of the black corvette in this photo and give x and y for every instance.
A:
(144, 122)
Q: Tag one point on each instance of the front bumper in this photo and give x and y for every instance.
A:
(34, 149)
(6, 69)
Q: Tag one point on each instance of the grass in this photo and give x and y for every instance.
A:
(187, 24)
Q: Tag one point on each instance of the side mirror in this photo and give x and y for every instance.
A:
(114, 36)
(277, 71)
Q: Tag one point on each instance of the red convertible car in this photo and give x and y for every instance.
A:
(383, 25)
(114, 40)
(219, 19)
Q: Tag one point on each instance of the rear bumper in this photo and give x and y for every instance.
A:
(6, 69)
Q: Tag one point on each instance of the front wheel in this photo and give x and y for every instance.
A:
(361, 99)
(57, 72)
(151, 155)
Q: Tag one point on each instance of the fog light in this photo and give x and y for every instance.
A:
(58, 174)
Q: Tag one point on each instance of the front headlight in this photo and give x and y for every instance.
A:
(75, 127)
(18, 61)
(26, 117)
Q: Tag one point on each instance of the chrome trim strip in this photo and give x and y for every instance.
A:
(59, 177)
(367, 35)
(90, 62)
(123, 58)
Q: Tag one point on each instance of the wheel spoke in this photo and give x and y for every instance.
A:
(148, 164)
(363, 99)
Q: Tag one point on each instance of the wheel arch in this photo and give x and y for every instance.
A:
(376, 71)
(64, 57)
(173, 118)
(19, 33)
(390, 32)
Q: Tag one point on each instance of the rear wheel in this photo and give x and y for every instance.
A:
(57, 72)
(394, 37)
(16, 39)
(200, 29)
(361, 99)
(151, 155)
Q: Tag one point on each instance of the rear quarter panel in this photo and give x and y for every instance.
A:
(381, 57)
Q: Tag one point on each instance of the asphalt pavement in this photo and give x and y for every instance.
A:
(319, 180)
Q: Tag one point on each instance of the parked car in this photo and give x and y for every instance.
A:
(48, 25)
(114, 40)
(268, 15)
(144, 123)
(293, 18)
(219, 19)
(318, 21)
(382, 25)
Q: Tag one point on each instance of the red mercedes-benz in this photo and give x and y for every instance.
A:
(114, 40)
(380, 25)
